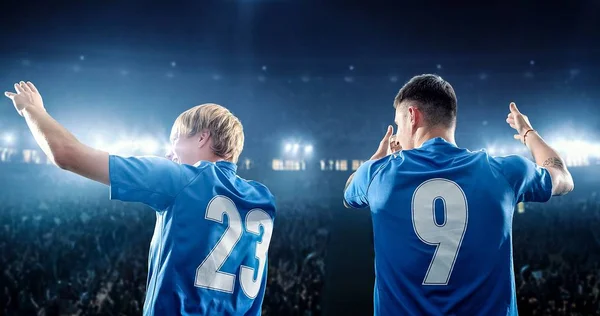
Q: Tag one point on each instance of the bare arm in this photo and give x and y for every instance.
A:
(387, 145)
(61, 147)
(545, 156)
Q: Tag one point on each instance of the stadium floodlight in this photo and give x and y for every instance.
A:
(150, 146)
(167, 148)
(130, 145)
(522, 149)
(595, 150)
(516, 149)
(99, 142)
(308, 149)
(582, 148)
(295, 148)
(573, 147)
(491, 150)
(126, 147)
(288, 147)
(9, 139)
(117, 146)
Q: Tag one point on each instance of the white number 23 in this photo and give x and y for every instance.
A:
(208, 274)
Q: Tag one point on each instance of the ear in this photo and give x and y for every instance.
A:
(413, 115)
(203, 138)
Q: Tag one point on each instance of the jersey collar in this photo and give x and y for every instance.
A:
(221, 164)
(227, 165)
(435, 142)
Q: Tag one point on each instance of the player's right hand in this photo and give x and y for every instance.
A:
(518, 121)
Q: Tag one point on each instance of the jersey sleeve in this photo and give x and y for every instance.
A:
(530, 182)
(355, 194)
(153, 181)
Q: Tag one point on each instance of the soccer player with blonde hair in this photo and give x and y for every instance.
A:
(208, 255)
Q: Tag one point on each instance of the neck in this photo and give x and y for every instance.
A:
(423, 135)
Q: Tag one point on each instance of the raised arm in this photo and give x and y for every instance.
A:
(544, 155)
(61, 147)
(387, 146)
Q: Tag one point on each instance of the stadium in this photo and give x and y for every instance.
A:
(314, 104)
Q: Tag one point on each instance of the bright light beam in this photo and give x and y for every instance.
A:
(308, 149)
(9, 138)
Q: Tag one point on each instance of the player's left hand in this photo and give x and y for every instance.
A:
(26, 97)
(388, 145)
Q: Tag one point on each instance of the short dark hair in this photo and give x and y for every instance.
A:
(435, 97)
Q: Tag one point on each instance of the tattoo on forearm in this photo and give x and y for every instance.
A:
(553, 162)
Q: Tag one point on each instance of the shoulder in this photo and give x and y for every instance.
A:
(257, 185)
(514, 168)
(511, 162)
(370, 169)
(373, 167)
(147, 166)
(261, 190)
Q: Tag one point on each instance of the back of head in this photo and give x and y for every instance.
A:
(226, 130)
(434, 96)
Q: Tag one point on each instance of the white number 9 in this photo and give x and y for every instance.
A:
(446, 237)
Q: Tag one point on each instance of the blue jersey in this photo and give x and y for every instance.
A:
(442, 225)
(208, 254)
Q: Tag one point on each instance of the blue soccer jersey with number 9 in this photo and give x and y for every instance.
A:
(208, 254)
(442, 225)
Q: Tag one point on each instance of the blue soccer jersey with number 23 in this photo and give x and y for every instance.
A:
(208, 254)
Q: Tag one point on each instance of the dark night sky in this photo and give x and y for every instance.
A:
(544, 54)
(291, 29)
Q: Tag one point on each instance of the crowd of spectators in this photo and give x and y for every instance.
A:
(65, 249)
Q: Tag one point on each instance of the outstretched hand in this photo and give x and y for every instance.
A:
(518, 121)
(26, 96)
(388, 145)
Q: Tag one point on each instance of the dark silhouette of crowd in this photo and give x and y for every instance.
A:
(65, 249)
(557, 257)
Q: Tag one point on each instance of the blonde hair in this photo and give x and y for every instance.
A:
(225, 129)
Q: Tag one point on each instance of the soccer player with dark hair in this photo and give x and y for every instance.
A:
(442, 215)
